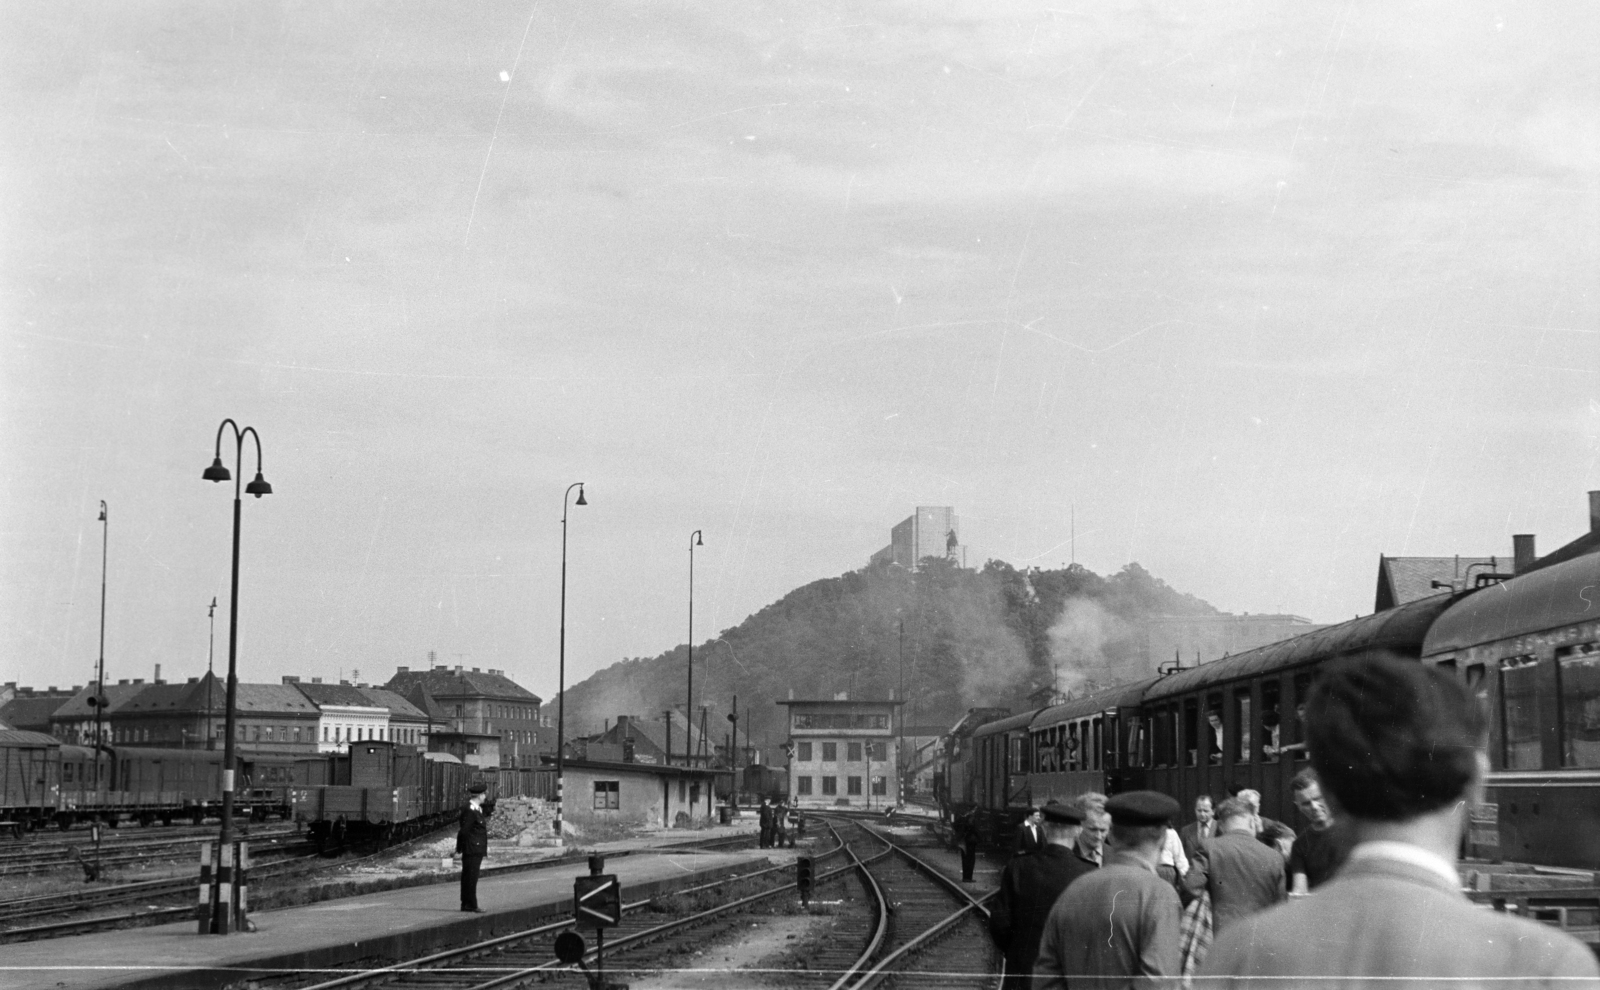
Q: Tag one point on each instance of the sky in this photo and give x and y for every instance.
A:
(1248, 293)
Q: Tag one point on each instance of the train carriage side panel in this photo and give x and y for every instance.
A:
(1079, 746)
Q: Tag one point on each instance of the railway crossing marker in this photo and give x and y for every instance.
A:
(597, 901)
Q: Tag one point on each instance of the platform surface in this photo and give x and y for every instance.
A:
(319, 935)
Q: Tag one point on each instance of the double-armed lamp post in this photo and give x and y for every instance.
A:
(259, 487)
(561, 663)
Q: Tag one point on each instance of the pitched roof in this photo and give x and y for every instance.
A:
(77, 707)
(31, 713)
(334, 694)
(424, 702)
(398, 706)
(654, 730)
(161, 698)
(1407, 579)
(280, 699)
(445, 682)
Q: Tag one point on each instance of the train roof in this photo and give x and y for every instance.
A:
(1006, 724)
(21, 737)
(1559, 595)
(1094, 704)
(1401, 628)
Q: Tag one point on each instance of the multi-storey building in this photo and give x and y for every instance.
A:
(73, 722)
(930, 531)
(268, 718)
(490, 720)
(345, 714)
(28, 709)
(843, 753)
(408, 724)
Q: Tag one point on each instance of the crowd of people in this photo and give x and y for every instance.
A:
(779, 823)
(1108, 892)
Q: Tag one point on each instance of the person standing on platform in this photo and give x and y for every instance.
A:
(1320, 848)
(1030, 834)
(1197, 833)
(1029, 886)
(1398, 747)
(472, 843)
(967, 834)
(767, 819)
(1243, 875)
(1096, 825)
(1117, 926)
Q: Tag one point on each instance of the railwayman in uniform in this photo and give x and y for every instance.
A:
(1117, 926)
(1398, 747)
(1029, 886)
(472, 843)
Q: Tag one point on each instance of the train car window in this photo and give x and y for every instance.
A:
(1271, 722)
(1071, 762)
(1522, 712)
(1579, 668)
(1097, 756)
(1016, 755)
(1242, 724)
(1216, 734)
(1302, 689)
(1191, 732)
(66, 773)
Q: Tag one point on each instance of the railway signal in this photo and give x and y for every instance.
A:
(597, 901)
(804, 878)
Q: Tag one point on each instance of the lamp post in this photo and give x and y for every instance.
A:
(688, 708)
(99, 699)
(900, 761)
(561, 663)
(258, 487)
(211, 677)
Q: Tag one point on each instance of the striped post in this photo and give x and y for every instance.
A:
(241, 886)
(222, 909)
(560, 836)
(203, 909)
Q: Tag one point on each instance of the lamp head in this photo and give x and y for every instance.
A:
(697, 541)
(258, 487)
(216, 472)
(581, 499)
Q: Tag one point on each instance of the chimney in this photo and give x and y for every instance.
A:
(402, 670)
(791, 694)
(290, 679)
(316, 680)
(1594, 512)
(138, 680)
(476, 671)
(1522, 555)
(157, 678)
(123, 681)
(193, 680)
(344, 683)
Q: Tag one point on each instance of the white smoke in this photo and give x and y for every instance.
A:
(1082, 646)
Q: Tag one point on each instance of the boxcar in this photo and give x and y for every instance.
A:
(383, 792)
(29, 778)
(1530, 648)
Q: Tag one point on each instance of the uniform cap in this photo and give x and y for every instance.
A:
(478, 789)
(1142, 808)
(1062, 814)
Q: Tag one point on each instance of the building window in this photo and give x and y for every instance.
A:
(830, 754)
(830, 786)
(805, 755)
(324, 733)
(878, 751)
(853, 751)
(802, 785)
(880, 785)
(852, 786)
(607, 795)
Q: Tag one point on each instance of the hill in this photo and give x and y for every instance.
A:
(970, 637)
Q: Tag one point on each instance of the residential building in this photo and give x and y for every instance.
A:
(484, 713)
(1406, 579)
(268, 718)
(73, 722)
(930, 531)
(344, 714)
(845, 753)
(29, 710)
(408, 724)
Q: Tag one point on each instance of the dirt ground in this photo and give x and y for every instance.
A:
(754, 957)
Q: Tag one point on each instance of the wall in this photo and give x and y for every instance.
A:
(640, 799)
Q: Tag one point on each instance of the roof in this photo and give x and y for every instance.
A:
(1400, 628)
(660, 770)
(398, 706)
(23, 712)
(423, 701)
(1094, 704)
(1548, 598)
(1586, 544)
(841, 701)
(1006, 724)
(161, 698)
(334, 694)
(116, 695)
(1409, 579)
(281, 699)
(653, 730)
(446, 682)
(17, 737)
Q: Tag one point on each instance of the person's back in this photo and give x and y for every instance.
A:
(1243, 875)
(1398, 748)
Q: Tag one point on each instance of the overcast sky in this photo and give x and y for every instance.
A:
(1261, 290)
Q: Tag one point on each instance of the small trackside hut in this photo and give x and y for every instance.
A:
(622, 794)
(844, 753)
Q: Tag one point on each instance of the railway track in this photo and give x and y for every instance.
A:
(904, 923)
(36, 856)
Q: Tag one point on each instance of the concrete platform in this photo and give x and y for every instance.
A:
(394, 924)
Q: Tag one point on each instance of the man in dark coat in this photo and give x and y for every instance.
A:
(767, 822)
(1243, 876)
(1117, 926)
(1030, 834)
(472, 843)
(1029, 886)
(1198, 834)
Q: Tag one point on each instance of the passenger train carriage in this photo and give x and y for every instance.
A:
(1530, 647)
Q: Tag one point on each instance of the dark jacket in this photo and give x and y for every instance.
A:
(473, 837)
(1029, 838)
(1119, 923)
(1029, 886)
(1243, 876)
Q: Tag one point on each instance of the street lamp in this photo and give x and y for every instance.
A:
(688, 708)
(561, 662)
(99, 698)
(258, 487)
(211, 677)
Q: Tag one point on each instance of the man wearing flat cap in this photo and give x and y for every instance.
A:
(1029, 886)
(1117, 926)
(472, 844)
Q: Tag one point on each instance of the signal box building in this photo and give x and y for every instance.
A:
(843, 753)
